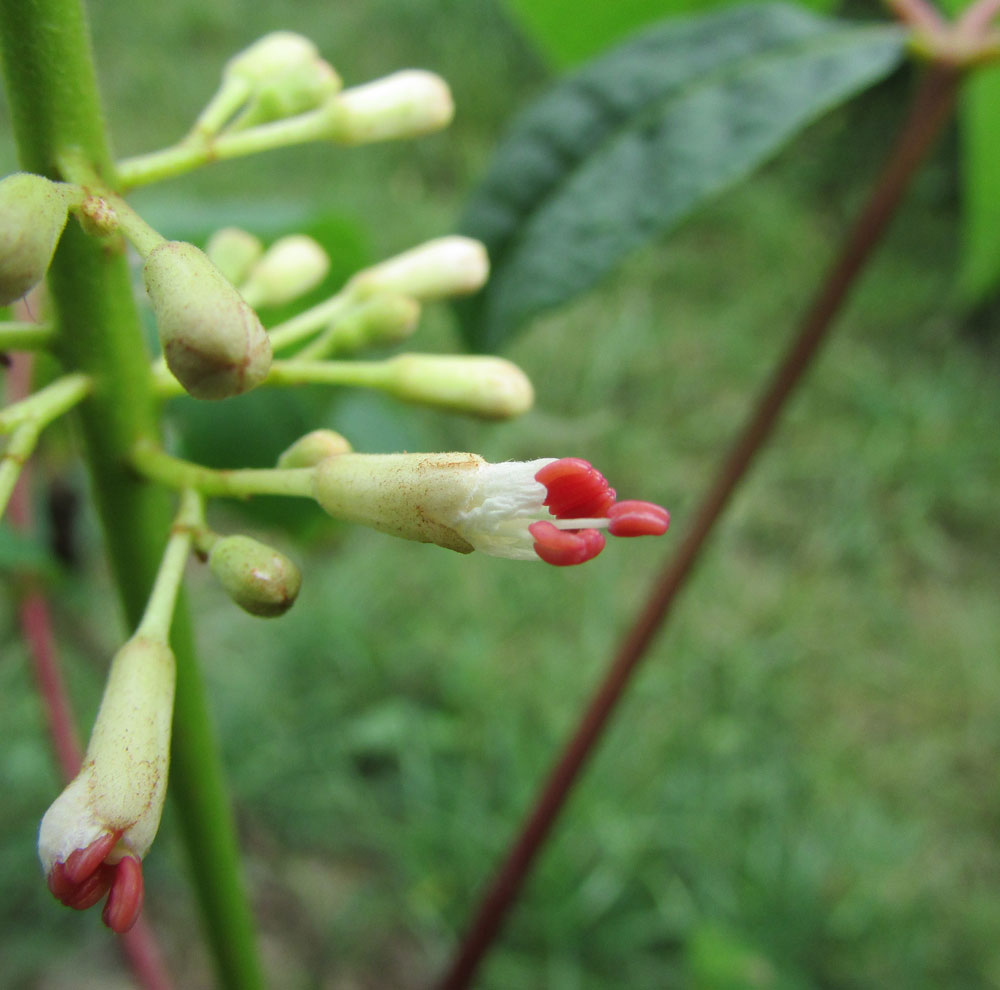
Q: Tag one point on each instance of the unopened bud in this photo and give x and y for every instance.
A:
(32, 216)
(314, 447)
(233, 252)
(290, 267)
(404, 104)
(446, 266)
(382, 320)
(490, 387)
(259, 579)
(295, 90)
(98, 217)
(270, 56)
(212, 341)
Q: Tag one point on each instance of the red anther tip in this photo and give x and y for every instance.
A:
(126, 897)
(631, 518)
(575, 489)
(82, 862)
(91, 890)
(564, 548)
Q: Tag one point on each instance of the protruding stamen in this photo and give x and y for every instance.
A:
(632, 518)
(574, 488)
(126, 897)
(564, 548)
(82, 862)
(91, 890)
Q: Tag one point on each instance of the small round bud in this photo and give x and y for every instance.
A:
(490, 387)
(290, 267)
(314, 447)
(270, 56)
(446, 266)
(32, 216)
(212, 341)
(259, 579)
(380, 321)
(233, 252)
(404, 104)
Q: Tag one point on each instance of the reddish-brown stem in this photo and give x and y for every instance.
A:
(931, 109)
(978, 17)
(917, 13)
(139, 945)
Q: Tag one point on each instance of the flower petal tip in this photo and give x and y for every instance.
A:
(126, 897)
(634, 518)
(564, 548)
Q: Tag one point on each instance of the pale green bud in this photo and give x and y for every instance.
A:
(123, 780)
(382, 320)
(212, 341)
(314, 447)
(259, 579)
(446, 266)
(33, 213)
(295, 90)
(290, 267)
(404, 104)
(491, 387)
(98, 217)
(270, 56)
(233, 252)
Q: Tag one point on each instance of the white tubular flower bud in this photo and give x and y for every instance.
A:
(491, 387)
(446, 266)
(33, 213)
(404, 104)
(289, 268)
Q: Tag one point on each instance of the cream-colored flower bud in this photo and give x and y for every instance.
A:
(491, 387)
(259, 579)
(405, 104)
(446, 266)
(382, 320)
(289, 268)
(123, 780)
(233, 251)
(270, 56)
(33, 213)
(314, 447)
(212, 340)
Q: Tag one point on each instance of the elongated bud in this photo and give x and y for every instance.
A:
(259, 579)
(314, 447)
(212, 340)
(95, 834)
(33, 213)
(290, 267)
(404, 104)
(446, 266)
(233, 252)
(490, 387)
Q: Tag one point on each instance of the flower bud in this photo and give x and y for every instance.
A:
(212, 341)
(490, 387)
(380, 321)
(96, 832)
(447, 266)
(404, 104)
(270, 56)
(314, 447)
(290, 267)
(259, 579)
(233, 252)
(33, 213)
(295, 90)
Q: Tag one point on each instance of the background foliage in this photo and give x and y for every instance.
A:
(801, 791)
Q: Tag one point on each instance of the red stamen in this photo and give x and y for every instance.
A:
(562, 547)
(60, 886)
(575, 489)
(631, 518)
(126, 897)
(91, 890)
(82, 862)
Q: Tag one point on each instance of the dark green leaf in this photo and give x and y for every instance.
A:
(634, 142)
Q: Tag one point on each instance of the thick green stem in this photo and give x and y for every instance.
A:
(52, 90)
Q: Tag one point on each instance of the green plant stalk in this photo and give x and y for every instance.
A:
(20, 336)
(52, 91)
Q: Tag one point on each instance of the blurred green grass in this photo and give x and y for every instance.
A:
(801, 788)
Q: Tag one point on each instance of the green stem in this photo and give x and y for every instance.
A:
(52, 90)
(18, 336)
(48, 403)
(305, 324)
(18, 450)
(154, 463)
